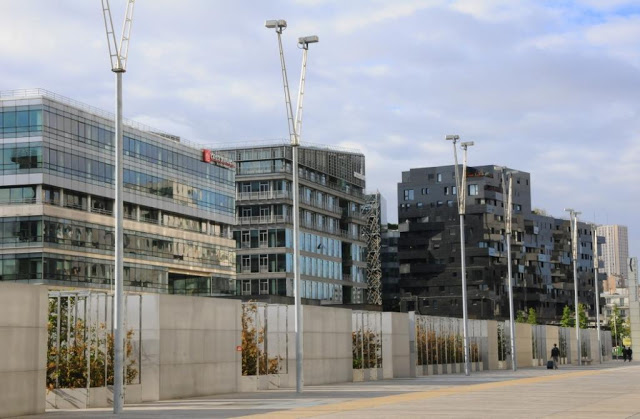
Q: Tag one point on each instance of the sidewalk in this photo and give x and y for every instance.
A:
(610, 390)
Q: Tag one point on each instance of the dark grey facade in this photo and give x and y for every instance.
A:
(332, 250)
(429, 248)
(390, 267)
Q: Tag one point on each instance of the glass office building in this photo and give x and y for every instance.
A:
(57, 198)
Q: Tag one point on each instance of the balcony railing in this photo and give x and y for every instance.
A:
(253, 196)
(263, 219)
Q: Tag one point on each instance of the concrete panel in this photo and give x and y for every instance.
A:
(396, 360)
(523, 345)
(197, 346)
(491, 361)
(552, 337)
(23, 347)
(327, 346)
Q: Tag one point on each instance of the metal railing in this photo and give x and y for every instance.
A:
(263, 219)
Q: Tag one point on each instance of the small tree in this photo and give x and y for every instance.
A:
(619, 328)
(532, 317)
(521, 316)
(582, 316)
(568, 318)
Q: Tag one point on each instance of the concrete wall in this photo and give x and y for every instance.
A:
(396, 360)
(197, 346)
(23, 349)
(491, 359)
(524, 356)
(327, 346)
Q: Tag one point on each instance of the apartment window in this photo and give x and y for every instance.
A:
(246, 287)
(438, 177)
(264, 263)
(408, 194)
(419, 205)
(425, 191)
(450, 203)
(454, 190)
(246, 264)
(246, 187)
(439, 203)
(263, 239)
(246, 212)
(264, 286)
(246, 239)
(446, 190)
(473, 190)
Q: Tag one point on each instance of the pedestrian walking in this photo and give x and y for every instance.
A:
(629, 352)
(555, 356)
(625, 354)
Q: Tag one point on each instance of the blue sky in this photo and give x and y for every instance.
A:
(548, 87)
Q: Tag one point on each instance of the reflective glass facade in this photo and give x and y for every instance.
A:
(57, 164)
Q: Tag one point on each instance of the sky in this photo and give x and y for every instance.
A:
(550, 87)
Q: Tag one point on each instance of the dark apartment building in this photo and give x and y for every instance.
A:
(429, 248)
(332, 250)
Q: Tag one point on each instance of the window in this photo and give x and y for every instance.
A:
(450, 203)
(473, 190)
(246, 287)
(264, 263)
(425, 191)
(408, 194)
(446, 190)
(264, 286)
(438, 177)
(454, 190)
(246, 264)
(439, 203)
(263, 239)
(246, 239)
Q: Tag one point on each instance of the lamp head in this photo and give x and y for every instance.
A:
(452, 137)
(278, 24)
(305, 40)
(466, 144)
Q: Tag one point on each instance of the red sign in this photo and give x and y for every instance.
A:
(239, 348)
(209, 157)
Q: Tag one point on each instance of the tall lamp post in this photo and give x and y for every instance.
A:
(596, 267)
(507, 236)
(573, 222)
(461, 184)
(118, 56)
(295, 127)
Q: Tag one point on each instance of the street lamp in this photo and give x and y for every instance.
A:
(295, 127)
(508, 191)
(596, 267)
(573, 224)
(461, 184)
(118, 56)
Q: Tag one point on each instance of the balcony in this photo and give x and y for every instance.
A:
(264, 195)
(264, 219)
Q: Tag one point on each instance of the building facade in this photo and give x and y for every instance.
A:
(429, 248)
(57, 201)
(615, 252)
(332, 249)
(390, 236)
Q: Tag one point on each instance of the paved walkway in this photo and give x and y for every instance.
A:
(610, 390)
